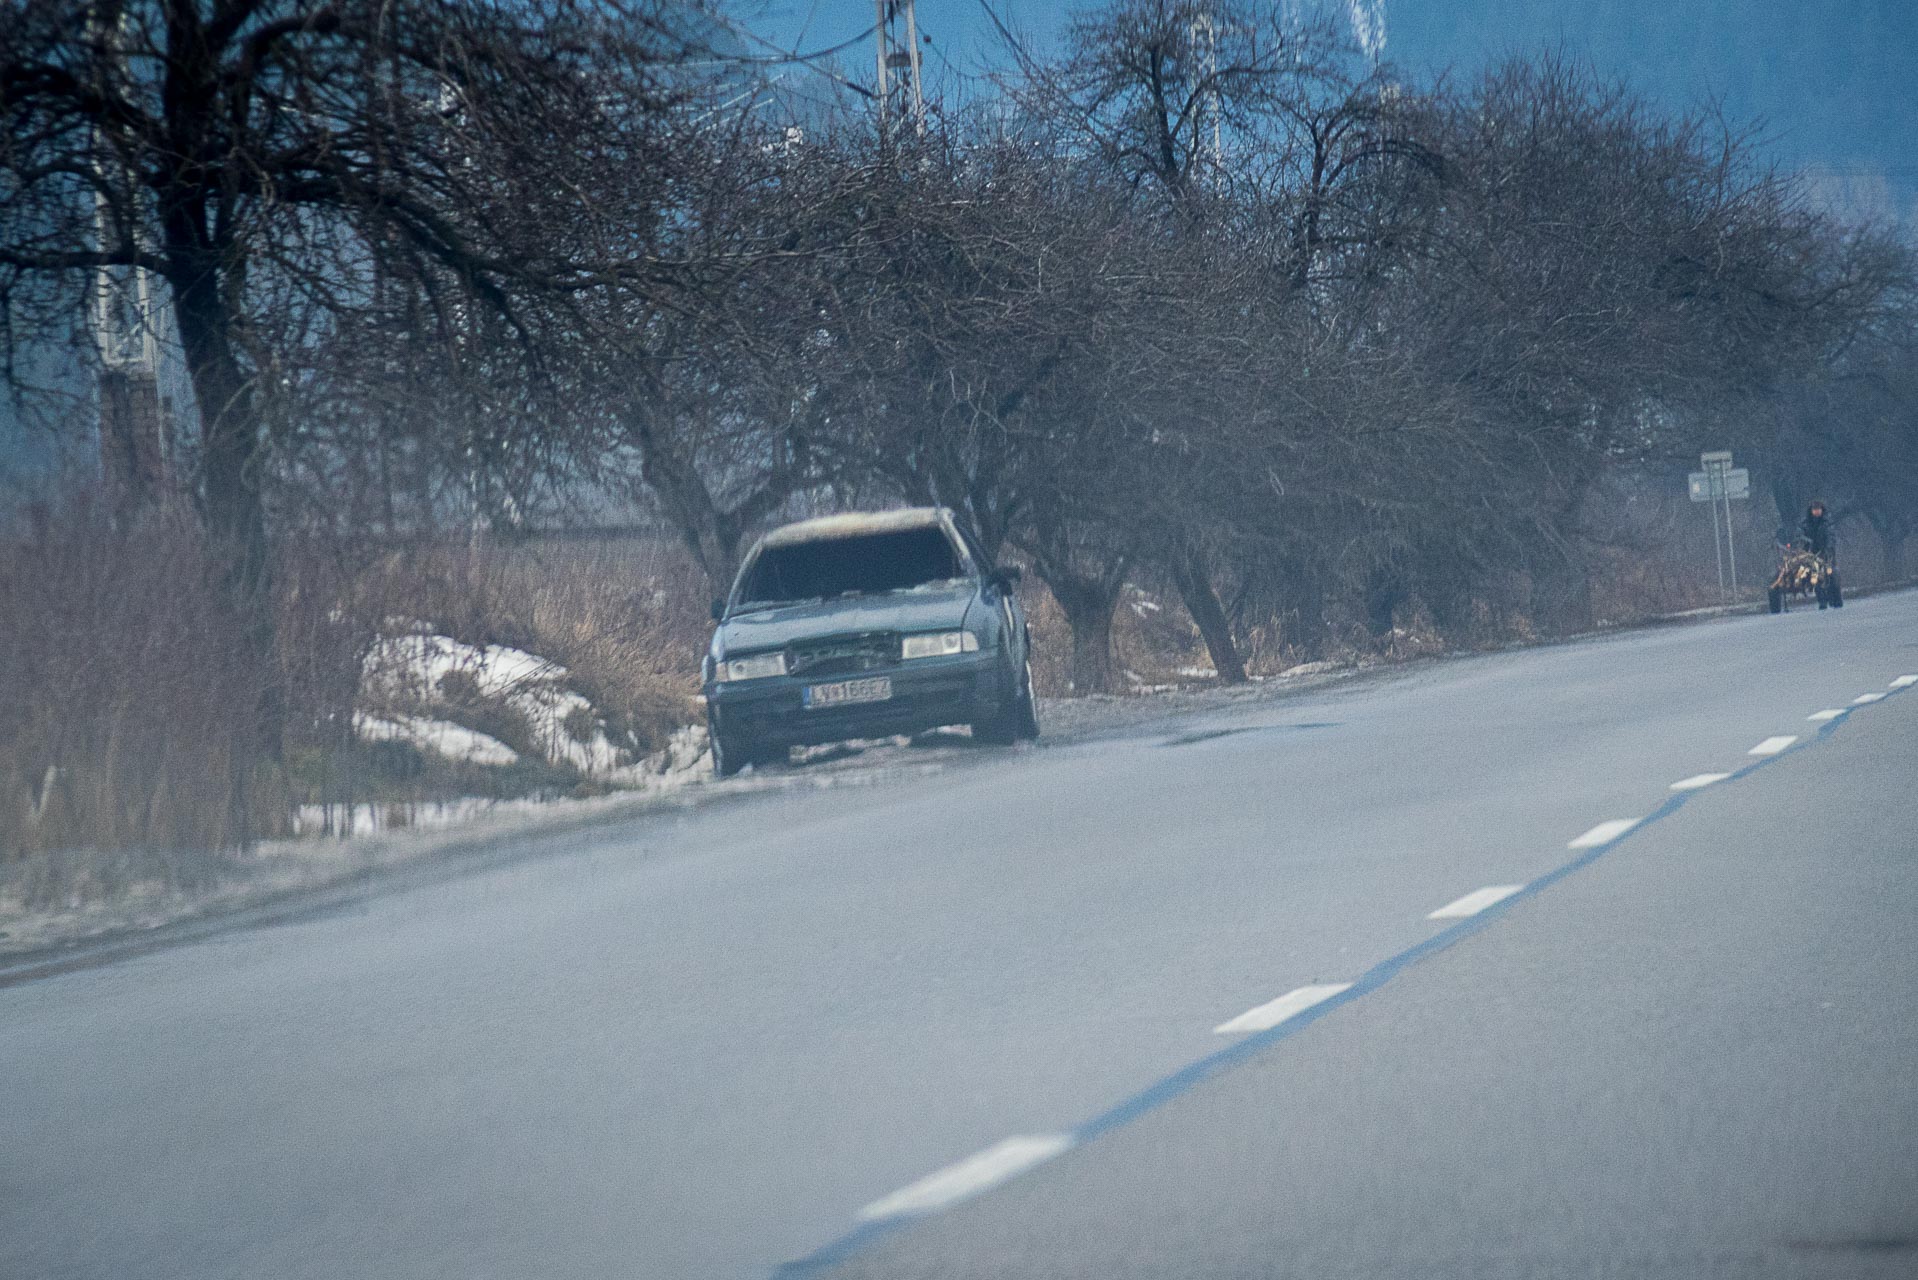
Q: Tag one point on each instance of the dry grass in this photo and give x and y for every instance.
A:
(131, 709)
(625, 615)
(129, 712)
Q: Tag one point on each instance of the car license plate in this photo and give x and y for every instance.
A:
(845, 692)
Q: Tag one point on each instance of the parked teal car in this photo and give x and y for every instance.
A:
(862, 626)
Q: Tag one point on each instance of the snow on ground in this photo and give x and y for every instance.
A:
(685, 759)
(405, 663)
(441, 737)
(347, 820)
(565, 727)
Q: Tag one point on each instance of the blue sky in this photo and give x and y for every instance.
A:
(1835, 81)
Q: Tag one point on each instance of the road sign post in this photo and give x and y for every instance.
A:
(1720, 484)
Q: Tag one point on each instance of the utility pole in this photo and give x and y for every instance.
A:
(896, 61)
(1205, 39)
(133, 425)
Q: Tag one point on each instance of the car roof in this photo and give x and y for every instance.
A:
(854, 524)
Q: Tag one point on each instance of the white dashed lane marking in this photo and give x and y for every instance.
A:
(1273, 1012)
(1015, 1155)
(970, 1176)
(1474, 902)
(1603, 833)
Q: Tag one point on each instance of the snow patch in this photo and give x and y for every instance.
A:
(564, 727)
(441, 737)
(687, 758)
(376, 817)
(419, 664)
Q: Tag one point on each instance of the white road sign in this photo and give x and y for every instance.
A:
(1709, 486)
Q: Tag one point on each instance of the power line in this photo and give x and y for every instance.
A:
(792, 58)
(1005, 32)
(827, 52)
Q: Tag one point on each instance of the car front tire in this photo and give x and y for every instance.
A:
(1016, 720)
(1028, 709)
(730, 754)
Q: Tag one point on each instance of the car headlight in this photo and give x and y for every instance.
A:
(939, 644)
(757, 667)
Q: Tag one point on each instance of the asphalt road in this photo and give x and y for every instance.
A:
(964, 1025)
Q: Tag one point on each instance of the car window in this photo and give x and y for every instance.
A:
(873, 562)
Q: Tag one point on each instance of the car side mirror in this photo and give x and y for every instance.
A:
(719, 609)
(1006, 576)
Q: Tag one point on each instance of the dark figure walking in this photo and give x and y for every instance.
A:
(1816, 529)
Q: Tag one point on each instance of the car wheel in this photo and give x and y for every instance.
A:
(1028, 727)
(729, 754)
(1008, 720)
(1000, 731)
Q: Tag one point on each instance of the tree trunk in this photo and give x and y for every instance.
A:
(715, 545)
(230, 480)
(1088, 607)
(233, 510)
(1086, 581)
(689, 504)
(1202, 602)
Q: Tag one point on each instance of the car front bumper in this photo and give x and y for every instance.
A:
(926, 693)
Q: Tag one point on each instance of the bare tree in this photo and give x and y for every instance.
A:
(260, 157)
(1169, 93)
(266, 161)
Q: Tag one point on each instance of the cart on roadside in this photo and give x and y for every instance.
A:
(1804, 574)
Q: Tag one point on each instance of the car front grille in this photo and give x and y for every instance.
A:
(838, 654)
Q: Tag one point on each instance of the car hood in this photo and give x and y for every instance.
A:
(924, 609)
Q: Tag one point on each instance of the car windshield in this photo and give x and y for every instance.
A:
(867, 563)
